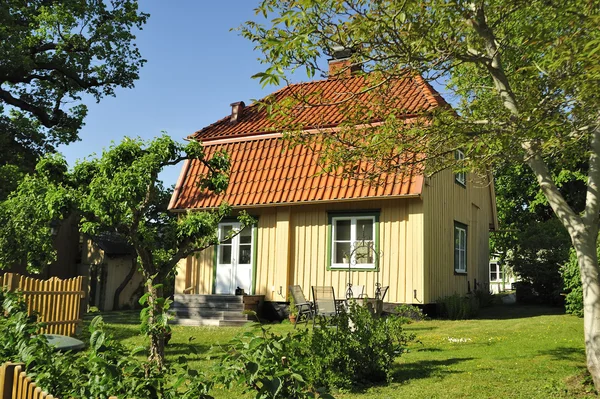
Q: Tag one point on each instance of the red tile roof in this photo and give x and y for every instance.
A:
(410, 96)
(264, 171)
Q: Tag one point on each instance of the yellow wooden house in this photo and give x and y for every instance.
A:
(424, 237)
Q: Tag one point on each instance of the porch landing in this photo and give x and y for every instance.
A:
(214, 310)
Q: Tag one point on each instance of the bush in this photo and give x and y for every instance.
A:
(358, 349)
(457, 307)
(270, 365)
(572, 280)
(410, 313)
(485, 297)
(106, 368)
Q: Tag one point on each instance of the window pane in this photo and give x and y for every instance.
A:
(493, 275)
(244, 255)
(500, 273)
(246, 236)
(341, 252)
(225, 254)
(456, 260)
(364, 229)
(342, 230)
(364, 253)
(225, 230)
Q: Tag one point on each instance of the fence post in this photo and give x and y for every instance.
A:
(82, 303)
(12, 282)
(7, 374)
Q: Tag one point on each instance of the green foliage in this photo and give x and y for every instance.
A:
(485, 297)
(269, 365)
(117, 193)
(538, 255)
(106, 368)
(293, 310)
(571, 276)
(358, 349)
(458, 307)
(54, 53)
(410, 313)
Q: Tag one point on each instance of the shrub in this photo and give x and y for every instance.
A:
(270, 365)
(485, 297)
(358, 349)
(410, 313)
(105, 368)
(572, 280)
(457, 307)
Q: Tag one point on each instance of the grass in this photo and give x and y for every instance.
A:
(508, 352)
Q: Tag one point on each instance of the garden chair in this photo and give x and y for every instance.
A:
(325, 303)
(358, 291)
(382, 292)
(305, 308)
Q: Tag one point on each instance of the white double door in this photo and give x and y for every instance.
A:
(234, 259)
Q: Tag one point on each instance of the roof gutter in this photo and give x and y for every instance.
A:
(274, 204)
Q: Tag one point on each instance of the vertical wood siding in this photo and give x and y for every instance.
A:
(400, 243)
(444, 203)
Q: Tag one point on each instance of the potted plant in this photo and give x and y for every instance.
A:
(293, 312)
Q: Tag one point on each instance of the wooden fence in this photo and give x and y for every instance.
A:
(15, 384)
(59, 304)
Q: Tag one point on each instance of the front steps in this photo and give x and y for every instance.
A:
(212, 310)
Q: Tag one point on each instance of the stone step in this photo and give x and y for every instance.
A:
(210, 322)
(209, 305)
(209, 314)
(193, 300)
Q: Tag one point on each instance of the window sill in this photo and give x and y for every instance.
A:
(371, 268)
(463, 185)
(460, 273)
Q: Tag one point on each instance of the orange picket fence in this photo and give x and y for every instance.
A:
(60, 304)
(15, 384)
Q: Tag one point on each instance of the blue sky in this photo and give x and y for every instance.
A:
(196, 67)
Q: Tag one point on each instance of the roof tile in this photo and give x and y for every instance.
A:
(265, 170)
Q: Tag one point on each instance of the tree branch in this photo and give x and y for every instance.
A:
(47, 120)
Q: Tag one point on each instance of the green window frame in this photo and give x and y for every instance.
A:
(353, 241)
(461, 177)
(460, 248)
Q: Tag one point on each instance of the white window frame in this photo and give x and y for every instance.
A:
(497, 267)
(460, 247)
(353, 242)
(460, 177)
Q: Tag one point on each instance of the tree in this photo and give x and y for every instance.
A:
(120, 193)
(532, 240)
(53, 53)
(525, 75)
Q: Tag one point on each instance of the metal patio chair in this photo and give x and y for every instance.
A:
(305, 308)
(325, 303)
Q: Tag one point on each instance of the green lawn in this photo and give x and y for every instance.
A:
(509, 352)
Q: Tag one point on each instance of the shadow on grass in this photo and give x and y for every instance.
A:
(425, 369)
(117, 317)
(175, 348)
(411, 327)
(505, 312)
(565, 353)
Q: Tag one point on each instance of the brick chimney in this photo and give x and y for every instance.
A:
(340, 66)
(236, 111)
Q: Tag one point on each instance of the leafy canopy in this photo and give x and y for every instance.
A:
(53, 54)
(519, 72)
(117, 193)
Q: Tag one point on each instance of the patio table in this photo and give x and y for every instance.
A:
(64, 343)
